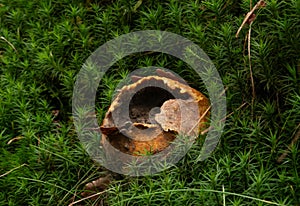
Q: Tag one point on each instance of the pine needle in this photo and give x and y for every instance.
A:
(10, 171)
(10, 44)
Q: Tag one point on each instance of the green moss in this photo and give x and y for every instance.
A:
(50, 40)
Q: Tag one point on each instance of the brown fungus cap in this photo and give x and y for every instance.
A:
(147, 115)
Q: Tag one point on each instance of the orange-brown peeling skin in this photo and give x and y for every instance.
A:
(172, 119)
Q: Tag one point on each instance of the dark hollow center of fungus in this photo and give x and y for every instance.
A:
(146, 101)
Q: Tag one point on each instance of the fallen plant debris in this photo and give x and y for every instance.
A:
(17, 138)
(9, 43)
(10, 171)
(96, 186)
(160, 107)
(250, 17)
(294, 140)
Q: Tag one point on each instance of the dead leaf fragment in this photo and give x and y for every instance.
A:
(249, 18)
(15, 139)
(55, 112)
(97, 185)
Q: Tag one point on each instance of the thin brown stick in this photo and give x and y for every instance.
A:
(15, 139)
(294, 140)
(244, 45)
(250, 67)
(222, 120)
(198, 122)
(6, 173)
(204, 114)
(249, 15)
(86, 198)
(73, 198)
(223, 92)
(240, 107)
(10, 44)
(249, 18)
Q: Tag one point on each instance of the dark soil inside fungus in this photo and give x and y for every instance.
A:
(146, 102)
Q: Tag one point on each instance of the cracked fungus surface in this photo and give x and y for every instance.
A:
(147, 115)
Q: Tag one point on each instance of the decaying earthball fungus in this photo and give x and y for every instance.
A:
(147, 115)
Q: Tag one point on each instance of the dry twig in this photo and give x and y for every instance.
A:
(6, 173)
(249, 18)
(10, 44)
(91, 188)
(98, 184)
(15, 139)
(198, 122)
(294, 140)
(86, 198)
(209, 128)
(250, 66)
(250, 15)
